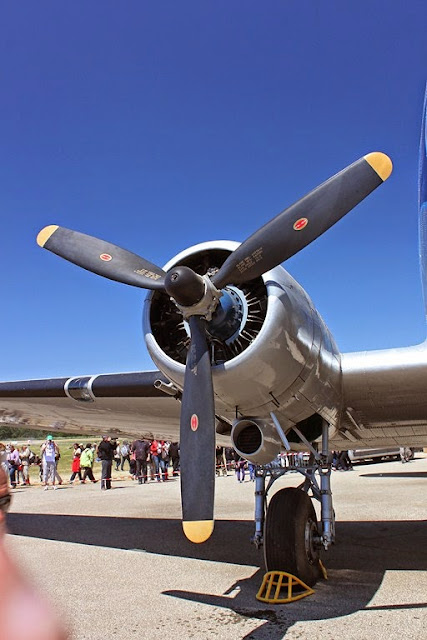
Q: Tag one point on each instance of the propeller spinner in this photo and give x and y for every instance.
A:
(197, 297)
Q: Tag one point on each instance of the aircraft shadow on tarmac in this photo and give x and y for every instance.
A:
(356, 564)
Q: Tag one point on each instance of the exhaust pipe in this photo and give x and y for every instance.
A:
(255, 440)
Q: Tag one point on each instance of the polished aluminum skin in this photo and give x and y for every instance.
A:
(385, 399)
(292, 367)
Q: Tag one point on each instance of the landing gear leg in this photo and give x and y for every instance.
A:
(289, 531)
(327, 512)
(260, 499)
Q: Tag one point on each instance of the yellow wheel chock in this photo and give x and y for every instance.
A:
(276, 581)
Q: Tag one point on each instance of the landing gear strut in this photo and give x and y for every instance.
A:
(288, 528)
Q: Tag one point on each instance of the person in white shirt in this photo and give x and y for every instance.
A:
(49, 451)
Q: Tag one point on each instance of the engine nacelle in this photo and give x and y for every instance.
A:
(255, 440)
(269, 348)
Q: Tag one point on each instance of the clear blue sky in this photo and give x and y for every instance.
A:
(157, 125)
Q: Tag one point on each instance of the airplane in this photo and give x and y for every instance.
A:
(242, 353)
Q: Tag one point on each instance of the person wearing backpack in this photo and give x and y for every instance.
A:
(141, 448)
(124, 454)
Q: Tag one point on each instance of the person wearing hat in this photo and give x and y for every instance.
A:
(49, 451)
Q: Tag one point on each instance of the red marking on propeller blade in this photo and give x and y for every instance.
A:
(300, 224)
(194, 422)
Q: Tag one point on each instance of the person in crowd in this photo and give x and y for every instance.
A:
(20, 471)
(219, 464)
(344, 462)
(106, 449)
(57, 458)
(26, 457)
(49, 454)
(251, 469)
(14, 462)
(132, 465)
(164, 459)
(141, 449)
(229, 457)
(86, 463)
(124, 455)
(155, 450)
(221, 461)
(240, 465)
(334, 461)
(405, 454)
(151, 467)
(39, 462)
(3, 459)
(117, 455)
(75, 463)
(174, 455)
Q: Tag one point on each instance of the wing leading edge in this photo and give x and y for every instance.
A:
(119, 403)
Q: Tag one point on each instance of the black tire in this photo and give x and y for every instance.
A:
(289, 536)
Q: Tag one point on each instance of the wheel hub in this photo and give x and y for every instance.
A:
(311, 539)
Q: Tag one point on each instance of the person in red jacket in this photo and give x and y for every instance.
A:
(75, 464)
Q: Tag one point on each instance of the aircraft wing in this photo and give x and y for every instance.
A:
(385, 399)
(116, 404)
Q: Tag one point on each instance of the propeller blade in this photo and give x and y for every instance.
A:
(295, 227)
(197, 438)
(101, 257)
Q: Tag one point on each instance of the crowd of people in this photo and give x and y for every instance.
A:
(146, 460)
(341, 461)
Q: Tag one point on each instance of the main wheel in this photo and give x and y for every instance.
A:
(291, 537)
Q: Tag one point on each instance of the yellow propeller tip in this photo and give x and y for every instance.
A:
(198, 530)
(380, 163)
(44, 235)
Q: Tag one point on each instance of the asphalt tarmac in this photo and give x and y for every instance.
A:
(116, 564)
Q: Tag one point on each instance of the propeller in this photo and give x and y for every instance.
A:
(295, 227)
(197, 438)
(197, 298)
(101, 257)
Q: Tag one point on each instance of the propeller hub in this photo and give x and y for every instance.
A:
(185, 286)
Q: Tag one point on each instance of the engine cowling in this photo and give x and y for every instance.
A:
(256, 440)
(270, 349)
